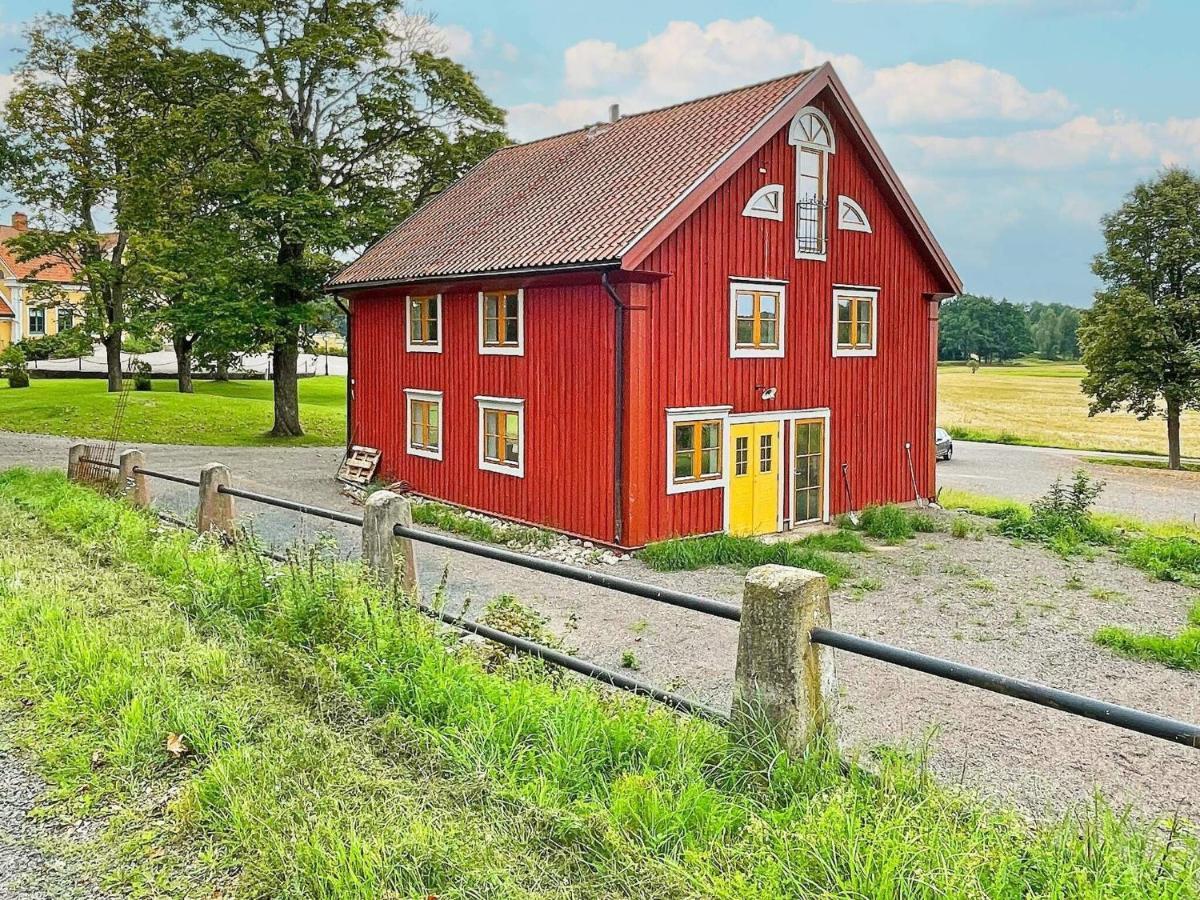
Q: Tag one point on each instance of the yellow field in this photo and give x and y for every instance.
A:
(1033, 402)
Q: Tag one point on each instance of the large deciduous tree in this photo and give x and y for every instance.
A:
(347, 121)
(1141, 339)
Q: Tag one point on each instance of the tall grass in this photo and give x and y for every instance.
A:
(746, 552)
(448, 518)
(616, 798)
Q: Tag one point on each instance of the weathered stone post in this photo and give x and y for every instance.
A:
(75, 456)
(782, 677)
(380, 545)
(134, 485)
(215, 512)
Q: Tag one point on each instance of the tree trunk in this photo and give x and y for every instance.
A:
(284, 356)
(1173, 455)
(112, 354)
(222, 372)
(183, 361)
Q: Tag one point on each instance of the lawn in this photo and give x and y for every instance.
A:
(222, 414)
(245, 729)
(1039, 403)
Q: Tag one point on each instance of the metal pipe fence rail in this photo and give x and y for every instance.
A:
(1124, 717)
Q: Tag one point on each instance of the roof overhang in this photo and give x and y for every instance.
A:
(541, 276)
(824, 77)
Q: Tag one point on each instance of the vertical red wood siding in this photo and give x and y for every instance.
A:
(565, 378)
(876, 403)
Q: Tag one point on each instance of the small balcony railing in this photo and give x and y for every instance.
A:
(810, 226)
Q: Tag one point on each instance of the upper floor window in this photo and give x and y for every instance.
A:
(755, 319)
(424, 423)
(812, 136)
(855, 316)
(425, 324)
(765, 203)
(851, 216)
(37, 320)
(501, 322)
(502, 435)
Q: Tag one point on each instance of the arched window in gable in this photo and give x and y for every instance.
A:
(812, 136)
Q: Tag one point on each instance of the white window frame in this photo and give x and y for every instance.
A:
(750, 284)
(850, 290)
(800, 142)
(750, 210)
(681, 416)
(411, 394)
(422, 348)
(503, 404)
(519, 348)
(847, 204)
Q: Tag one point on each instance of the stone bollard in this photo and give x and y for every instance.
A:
(134, 485)
(380, 546)
(782, 677)
(75, 457)
(215, 512)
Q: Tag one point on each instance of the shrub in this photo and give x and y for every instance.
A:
(137, 345)
(1062, 517)
(18, 378)
(12, 366)
(66, 344)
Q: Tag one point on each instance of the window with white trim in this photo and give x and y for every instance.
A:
(765, 203)
(855, 321)
(502, 435)
(851, 216)
(810, 133)
(756, 318)
(424, 421)
(502, 322)
(423, 327)
(37, 320)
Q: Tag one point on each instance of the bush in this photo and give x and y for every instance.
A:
(1062, 517)
(138, 345)
(12, 366)
(18, 378)
(141, 375)
(67, 344)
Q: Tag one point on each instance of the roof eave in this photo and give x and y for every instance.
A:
(332, 288)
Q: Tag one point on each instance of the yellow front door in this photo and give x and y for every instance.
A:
(754, 478)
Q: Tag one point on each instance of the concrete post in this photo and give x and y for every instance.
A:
(134, 485)
(75, 457)
(215, 512)
(381, 549)
(782, 677)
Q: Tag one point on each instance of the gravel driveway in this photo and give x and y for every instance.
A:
(1021, 611)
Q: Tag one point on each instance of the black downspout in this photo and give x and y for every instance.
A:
(345, 307)
(619, 309)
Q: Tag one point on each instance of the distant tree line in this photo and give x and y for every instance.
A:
(997, 330)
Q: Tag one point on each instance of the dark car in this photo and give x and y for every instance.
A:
(943, 444)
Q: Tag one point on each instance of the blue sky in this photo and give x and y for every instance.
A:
(1014, 123)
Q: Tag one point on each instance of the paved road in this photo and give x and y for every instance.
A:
(1024, 473)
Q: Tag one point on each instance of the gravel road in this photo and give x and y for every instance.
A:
(1021, 611)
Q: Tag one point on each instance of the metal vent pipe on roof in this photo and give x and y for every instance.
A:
(614, 112)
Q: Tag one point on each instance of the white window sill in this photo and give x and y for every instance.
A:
(850, 351)
(424, 348)
(518, 350)
(426, 453)
(755, 353)
(501, 469)
(687, 487)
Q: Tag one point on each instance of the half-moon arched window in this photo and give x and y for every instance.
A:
(765, 203)
(851, 216)
(812, 136)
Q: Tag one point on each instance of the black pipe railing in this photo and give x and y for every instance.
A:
(166, 476)
(1065, 701)
(1081, 705)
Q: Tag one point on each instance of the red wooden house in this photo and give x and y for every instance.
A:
(721, 315)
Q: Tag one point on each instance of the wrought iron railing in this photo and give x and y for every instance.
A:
(810, 225)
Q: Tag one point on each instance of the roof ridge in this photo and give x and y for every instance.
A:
(658, 109)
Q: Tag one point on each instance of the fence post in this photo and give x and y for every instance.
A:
(782, 677)
(215, 512)
(75, 457)
(380, 545)
(134, 486)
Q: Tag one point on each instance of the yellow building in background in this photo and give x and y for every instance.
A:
(21, 315)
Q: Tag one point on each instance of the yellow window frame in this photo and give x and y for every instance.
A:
(755, 317)
(855, 299)
(495, 427)
(503, 314)
(423, 315)
(697, 450)
(424, 434)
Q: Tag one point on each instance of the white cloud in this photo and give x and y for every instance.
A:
(687, 60)
(7, 84)
(1084, 141)
(419, 31)
(955, 90)
(1041, 6)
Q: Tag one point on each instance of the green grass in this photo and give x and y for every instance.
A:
(1137, 463)
(449, 518)
(340, 749)
(893, 524)
(1180, 651)
(232, 413)
(746, 552)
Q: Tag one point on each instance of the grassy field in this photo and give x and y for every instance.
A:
(245, 729)
(1039, 403)
(232, 413)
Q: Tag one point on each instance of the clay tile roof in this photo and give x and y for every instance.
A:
(5, 310)
(40, 268)
(572, 199)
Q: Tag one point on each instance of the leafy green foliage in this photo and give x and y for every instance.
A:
(1062, 517)
(532, 789)
(66, 344)
(993, 330)
(893, 524)
(746, 552)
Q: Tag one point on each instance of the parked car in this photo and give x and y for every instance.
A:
(943, 444)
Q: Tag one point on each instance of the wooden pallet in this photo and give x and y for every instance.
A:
(359, 465)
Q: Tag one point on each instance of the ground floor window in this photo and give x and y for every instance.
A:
(424, 423)
(66, 318)
(695, 448)
(502, 435)
(808, 474)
